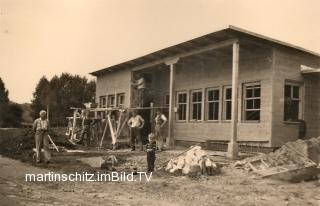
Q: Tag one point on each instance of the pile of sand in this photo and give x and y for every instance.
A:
(300, 152)
(194, 162)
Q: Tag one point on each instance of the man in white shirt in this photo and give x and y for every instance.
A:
(41, 127)
(160, 121)
(135, 123)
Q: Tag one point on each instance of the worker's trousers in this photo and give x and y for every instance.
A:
(159, 137)
(135, 134)
(42, 141)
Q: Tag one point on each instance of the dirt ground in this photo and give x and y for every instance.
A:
(231, 187)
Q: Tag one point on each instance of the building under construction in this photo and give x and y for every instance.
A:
(229, 85)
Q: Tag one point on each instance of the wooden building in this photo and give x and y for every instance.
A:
(230, 85)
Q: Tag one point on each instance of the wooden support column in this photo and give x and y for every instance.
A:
(171, 63)
(233, 145)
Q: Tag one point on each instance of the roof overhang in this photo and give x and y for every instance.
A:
(217, 39)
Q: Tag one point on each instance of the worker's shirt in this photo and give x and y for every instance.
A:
(41, 125)
(136, 121)
(160, 119)
(141, 84)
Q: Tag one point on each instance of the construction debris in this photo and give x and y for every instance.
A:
(294, 161)
(194, 162)
(100, 162)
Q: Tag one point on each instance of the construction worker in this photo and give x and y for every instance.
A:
(140, 85)
(135, 123)
(86, 123)
(41, 128)
(160, 121)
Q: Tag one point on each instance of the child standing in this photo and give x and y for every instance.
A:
(151, 152)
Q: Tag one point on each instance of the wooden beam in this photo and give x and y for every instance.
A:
(233, 145)
(171, 63)
(186, 54)
(305, 69)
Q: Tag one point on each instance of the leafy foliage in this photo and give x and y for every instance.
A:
(10, 113)
(61, 93)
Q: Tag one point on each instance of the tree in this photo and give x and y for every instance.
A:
(4, 101)
(10, 113)
(14, 116)
(41, 95)
(61, 93)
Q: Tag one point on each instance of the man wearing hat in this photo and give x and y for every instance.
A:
(41, 128)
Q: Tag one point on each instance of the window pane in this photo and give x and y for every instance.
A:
(257, 104)
(249, 104)
(228, 110)
(216, 95)
(257, 92)
(228, 93)
(199, 94)
(182, 98)
(182, 112)
(249, 93)
(210, 111)
(287, 91)
(296, 92)
(210, 95)
(216, 111)
(253, 115)
(291, 110)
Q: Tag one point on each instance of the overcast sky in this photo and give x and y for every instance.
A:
(47, 37)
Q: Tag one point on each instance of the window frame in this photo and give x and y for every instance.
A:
(300, 100)
(118, 100)
(244, 101)
(186, 103)
(192, 103)
(207, 102)
(114, 101)
(165, 96)
(105, 101)
(224, 105)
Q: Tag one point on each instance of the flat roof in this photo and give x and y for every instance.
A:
(226, 33)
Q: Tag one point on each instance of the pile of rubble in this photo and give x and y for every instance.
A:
(105, 162)
(194, 162)
(294, 160)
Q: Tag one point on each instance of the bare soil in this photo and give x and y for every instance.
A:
(231, 187)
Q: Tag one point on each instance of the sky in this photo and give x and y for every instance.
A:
(48, 37)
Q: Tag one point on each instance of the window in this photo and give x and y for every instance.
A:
(182, 106)
(252, 101)
(292, 101)
(212, 102)
(102, 101)
(196, 105)
(166, 100)
(227, 97)
(120, 100)
(111, 101)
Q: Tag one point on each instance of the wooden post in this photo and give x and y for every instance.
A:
(171, 63)
(114, 140)
(152, 116)
(74, 124)
(233, 145)
(104, 132)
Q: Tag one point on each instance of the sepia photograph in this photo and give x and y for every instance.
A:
(160, 102)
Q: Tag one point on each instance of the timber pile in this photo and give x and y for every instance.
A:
(294, 160)
(194, 162)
